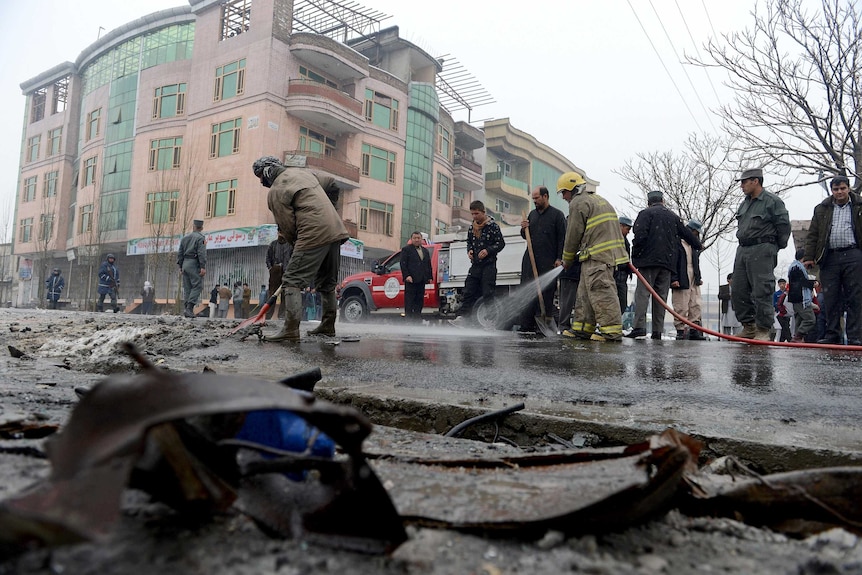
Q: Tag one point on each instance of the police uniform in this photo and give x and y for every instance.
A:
(192, 258)
(763, 230)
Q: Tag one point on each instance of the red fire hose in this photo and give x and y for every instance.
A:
(700, 328)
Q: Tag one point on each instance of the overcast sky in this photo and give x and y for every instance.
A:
(597, 80)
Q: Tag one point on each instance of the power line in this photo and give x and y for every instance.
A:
(697, 50)
(684, 71)
(711, 27)
(672, 81)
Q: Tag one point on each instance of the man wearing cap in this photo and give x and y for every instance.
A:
(302, 204)
(657, 234)
(192, 260)
(623, 273)
(685, 282)
(763, 229)
(833, 242)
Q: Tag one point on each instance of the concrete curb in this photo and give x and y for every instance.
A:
(526, 428)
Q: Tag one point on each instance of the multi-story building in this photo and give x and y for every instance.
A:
(159, 121)
(515, 163)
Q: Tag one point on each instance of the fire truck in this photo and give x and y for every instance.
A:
(382, 288)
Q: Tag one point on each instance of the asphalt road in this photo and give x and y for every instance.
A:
(791, 397)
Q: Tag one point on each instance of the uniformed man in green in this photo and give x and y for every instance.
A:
(763, 229)
(192, 259)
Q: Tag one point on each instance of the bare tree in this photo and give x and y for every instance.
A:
(796, 76)
(45, 239)
(179, 201)
(696, 183)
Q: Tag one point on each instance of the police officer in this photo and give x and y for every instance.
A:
(763, 229)
(54, 286)
(192, 259)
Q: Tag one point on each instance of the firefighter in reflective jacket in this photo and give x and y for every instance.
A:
(593, 236)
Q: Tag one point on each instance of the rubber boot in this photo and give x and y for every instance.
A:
(292, 302)
(330, 312)
(190, 310)
(680, 334)
(696, 333)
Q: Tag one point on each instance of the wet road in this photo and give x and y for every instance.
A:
(796, 397)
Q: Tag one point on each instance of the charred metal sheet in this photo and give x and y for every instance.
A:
(158, 432)
(24, 426)
(505, 497)
(796, 502)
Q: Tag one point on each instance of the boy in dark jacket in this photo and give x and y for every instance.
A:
(484, 242)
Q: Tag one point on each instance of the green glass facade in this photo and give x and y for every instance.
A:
(121, 67)
(422, 117)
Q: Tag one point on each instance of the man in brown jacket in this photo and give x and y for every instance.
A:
(301, 203)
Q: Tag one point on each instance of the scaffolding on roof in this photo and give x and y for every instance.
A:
(341, 21)
(458, 89)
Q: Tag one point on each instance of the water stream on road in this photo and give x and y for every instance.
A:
(511, 308)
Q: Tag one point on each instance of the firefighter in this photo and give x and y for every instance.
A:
(593, 235)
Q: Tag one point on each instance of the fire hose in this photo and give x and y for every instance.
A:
(692, 325)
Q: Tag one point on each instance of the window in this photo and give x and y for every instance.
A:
(33, 148)
(502, 207)
(230, 81)
(161, 207)
(225, 138)
(165, 154)
(311, 141)
(375, 217)
(37, 104)
(504, 167)
(113, 210)
(313, 76)
(46, 227)
(93, 124)
(49, 186)
(378, 164)
(235, 18)
(442, 188)
(85, 219)
(381, 110)
(457, 199)
(61, 95)
(169, 101)
(25, 228)
(221, 198)
(29, 189)
(54, 141)
(444, 142)
(440, 227)
(89, 171)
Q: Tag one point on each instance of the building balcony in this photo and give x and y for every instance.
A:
(324, 106)
(345, 174)
(461, 217)
(328, 57)
(496, 182)
(468, 137)
(468, 174)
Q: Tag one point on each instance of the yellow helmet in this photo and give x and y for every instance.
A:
(571, 182)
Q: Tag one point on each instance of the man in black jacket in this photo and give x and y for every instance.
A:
(547, 226)
(657, 232)
(416, 271)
